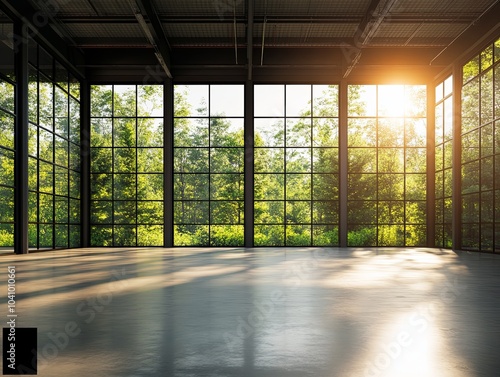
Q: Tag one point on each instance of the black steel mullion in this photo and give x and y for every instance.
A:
(113, 164)
(85, 199)
(209, 117)
(285, 150)
(136, 170)
(249, 165)
(21, 203)
(168, 163)
(311, 130)
(68, 164)
(53, 163)
(343, 162)
(431, 168)
(377, 173)
(456, 158)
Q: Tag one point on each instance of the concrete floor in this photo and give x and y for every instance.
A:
(268, 312)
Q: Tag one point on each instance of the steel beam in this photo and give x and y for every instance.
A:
(250, 39)
(479, 32)
(160, 41)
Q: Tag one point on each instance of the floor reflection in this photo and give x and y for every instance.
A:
(261, 312)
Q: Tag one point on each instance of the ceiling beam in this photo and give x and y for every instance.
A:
(159, 39)
(483, 28)
(426, 18)
(365, 32)
(43, 33)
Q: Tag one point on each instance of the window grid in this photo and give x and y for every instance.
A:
(443, 182)
(480, 191)
(388, 226)
(54, 153)
(7, 151)
(210, 135)
(291, 227)
(127, 165)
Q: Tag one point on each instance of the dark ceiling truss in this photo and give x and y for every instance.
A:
(259, 19)
(45, 34)
(358, 39)
(158, 40)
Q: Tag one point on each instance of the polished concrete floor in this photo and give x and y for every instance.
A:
(273, 312)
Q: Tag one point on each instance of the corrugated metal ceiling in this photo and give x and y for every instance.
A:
(289, 22)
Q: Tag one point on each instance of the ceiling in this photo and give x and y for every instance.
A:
(199, 39)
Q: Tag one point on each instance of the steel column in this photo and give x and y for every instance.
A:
(85, 163)
(249, 163)
(456, 174)
(431, 167)
(168, 163)
(343, 102)
(21, 144)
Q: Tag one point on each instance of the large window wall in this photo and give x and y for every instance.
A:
(127, 165)
(208, 165)
(443, 180)
(481, 151)
(386, 165)
(296, 177)
(54, 153)
(7, 148)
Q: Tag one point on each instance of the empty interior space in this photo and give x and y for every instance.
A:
(252, 187)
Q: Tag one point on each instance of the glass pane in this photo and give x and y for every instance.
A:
(101, 100)
(269, 186)
(45, 100)
(150, 212)
(361, 186)
(149, 132)
(150, 187)
(298, 132)
(298, 100)
(325, 132)
(362, 160)
(226, 160)
(124, 100)
(226, 132)
(269, 100)
(150, 160)
(74, 120)
(124, 132)
(227, 100)
(391, 100)
(325, 236)
(269, 132)
(362, 100)
(124, 186)
(150, 100)
(232, 235)
(298, 186)
(191, 212)
(269, 235)
(191, 132)
(325, 100)
(361, 133)
(101, 132)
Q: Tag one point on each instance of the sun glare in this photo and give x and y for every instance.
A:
(392, 100)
